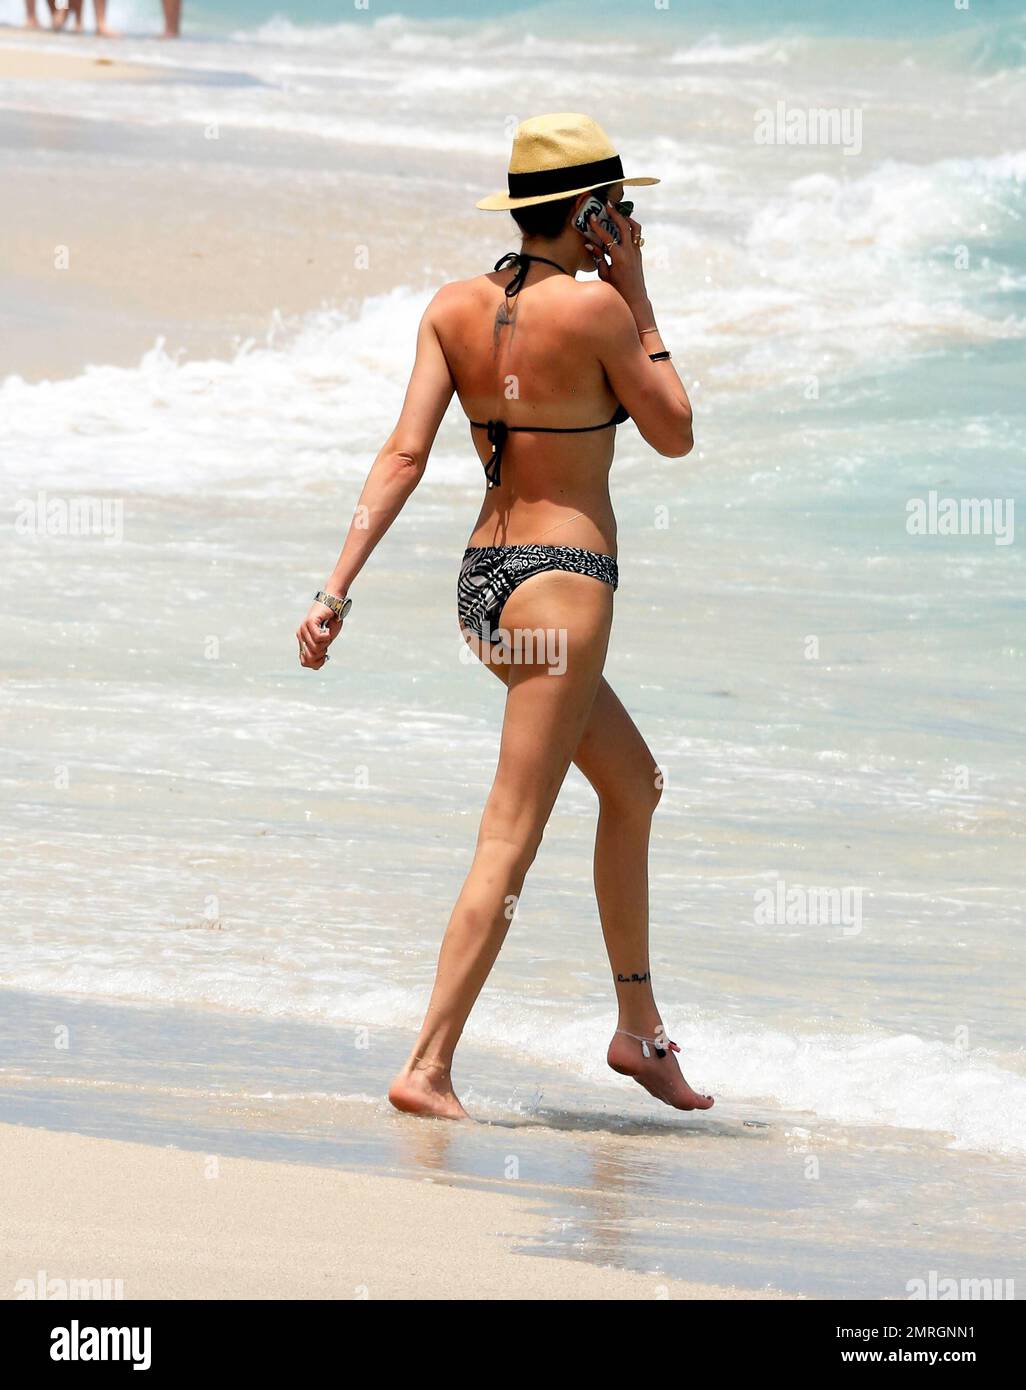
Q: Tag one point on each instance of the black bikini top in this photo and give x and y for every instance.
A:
(498, 429)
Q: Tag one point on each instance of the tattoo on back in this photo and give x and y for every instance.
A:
(504, 318)
(634, 979)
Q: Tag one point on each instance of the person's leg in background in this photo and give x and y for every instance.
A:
(172, 18)
(100, 9)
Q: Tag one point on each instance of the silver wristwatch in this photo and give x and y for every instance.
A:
(339, 606)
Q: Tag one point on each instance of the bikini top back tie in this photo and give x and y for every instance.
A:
(498, 430)
(523, 263)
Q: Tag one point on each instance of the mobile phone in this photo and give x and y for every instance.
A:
(596, 206)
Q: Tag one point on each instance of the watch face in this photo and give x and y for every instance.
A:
(345, 608)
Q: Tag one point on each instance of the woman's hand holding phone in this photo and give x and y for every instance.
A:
(624, 269)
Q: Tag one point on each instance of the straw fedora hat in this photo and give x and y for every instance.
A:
(558, 156)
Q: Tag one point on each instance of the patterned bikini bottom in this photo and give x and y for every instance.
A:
(490, 573)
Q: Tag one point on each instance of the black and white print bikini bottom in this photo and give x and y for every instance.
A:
(490, 573)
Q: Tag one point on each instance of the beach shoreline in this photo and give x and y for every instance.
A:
(26, 55)
(574, 1171)
(235, 263)
(174, 1224)
(273, 228)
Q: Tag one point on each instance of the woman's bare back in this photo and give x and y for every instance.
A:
(529, 360)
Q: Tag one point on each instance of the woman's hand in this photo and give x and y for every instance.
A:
(315, 635)
(624, 270)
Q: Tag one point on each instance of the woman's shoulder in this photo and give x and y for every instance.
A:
(459, 297)
(455, 293)
(586, 305)
(591, 292)
(599, 297)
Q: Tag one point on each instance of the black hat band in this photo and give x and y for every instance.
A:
(542, 181)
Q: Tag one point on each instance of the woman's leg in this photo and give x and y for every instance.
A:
(619, 765)
(616, 760)
(544, 720)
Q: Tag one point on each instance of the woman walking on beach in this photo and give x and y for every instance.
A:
(545, 368)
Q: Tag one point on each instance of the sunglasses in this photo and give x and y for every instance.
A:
(624, 209)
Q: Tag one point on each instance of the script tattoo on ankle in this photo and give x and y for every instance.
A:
(632, 979)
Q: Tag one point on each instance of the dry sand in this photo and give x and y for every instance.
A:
(36, 64)
(203, 272)
(120, 237)
(172, 1224)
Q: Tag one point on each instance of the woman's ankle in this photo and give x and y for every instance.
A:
(642, 1024)
(433, 1067)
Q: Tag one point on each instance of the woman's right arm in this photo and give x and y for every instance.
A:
(651, 392)
(393, 476)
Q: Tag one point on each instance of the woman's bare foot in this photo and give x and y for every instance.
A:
(425, 1088)
(660, 1076)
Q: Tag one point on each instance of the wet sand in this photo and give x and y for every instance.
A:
(202, 236)
(174, 1224)
(142, 264)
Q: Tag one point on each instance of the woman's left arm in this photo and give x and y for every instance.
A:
(394, 474)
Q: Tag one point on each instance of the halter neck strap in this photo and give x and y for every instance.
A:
(522, 260)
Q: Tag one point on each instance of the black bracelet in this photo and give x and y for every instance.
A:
(659, 356)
